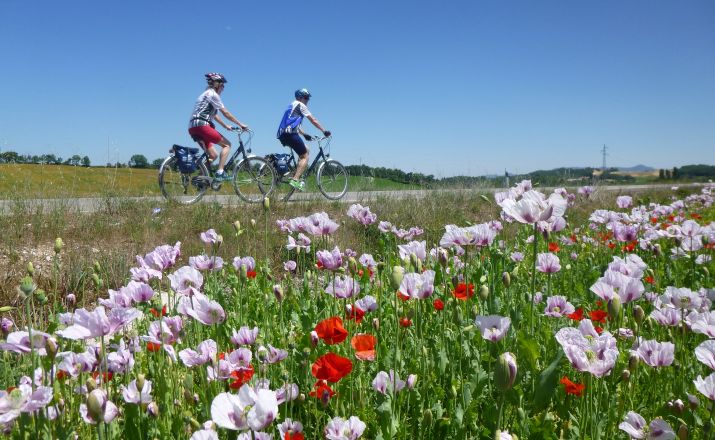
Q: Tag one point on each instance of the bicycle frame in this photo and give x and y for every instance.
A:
(243, 149)
(320, 157)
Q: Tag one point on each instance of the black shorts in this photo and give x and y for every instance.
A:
(293, 141)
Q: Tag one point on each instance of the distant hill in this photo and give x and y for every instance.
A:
(637, 169)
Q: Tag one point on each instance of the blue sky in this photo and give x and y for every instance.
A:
(443, 88)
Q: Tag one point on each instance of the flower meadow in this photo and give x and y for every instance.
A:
(525, 326)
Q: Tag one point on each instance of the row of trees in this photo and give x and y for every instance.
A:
(48, 159)
(687, 172)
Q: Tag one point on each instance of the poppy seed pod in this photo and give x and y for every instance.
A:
(58, 245)
(638, 314)
(506, 279)
(505, 373)
(30, 268)
(398, 272)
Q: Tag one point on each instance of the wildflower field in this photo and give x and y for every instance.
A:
(557, 317)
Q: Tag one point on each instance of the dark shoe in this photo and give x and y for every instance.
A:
(222, 177)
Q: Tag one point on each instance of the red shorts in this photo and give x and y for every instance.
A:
(207, 134)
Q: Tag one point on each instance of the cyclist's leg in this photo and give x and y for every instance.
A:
(294, 141)
(225, 151)
(206, 136)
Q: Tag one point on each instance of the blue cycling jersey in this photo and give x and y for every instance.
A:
(292, 118)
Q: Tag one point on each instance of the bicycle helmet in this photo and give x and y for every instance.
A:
(302, 93)
(211, 77)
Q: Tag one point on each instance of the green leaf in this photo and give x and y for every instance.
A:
(547, 384)
(442, 360)
(528, 350)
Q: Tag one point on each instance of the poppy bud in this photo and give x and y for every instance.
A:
(253, 222)
(656, 250)
(484, 291)
(568, 267)
(678, 406)
(188, 382)
(153, 409)
(411, 381)
(27, 286)
(505, 373)
(71, 299)
(483, 279)
(30, 268)
(91, 384)
(638, 314)
(51, 347)
(506, 279)
(614, 307)
(41, 296)
(427, 417)
(376, 323)
(352, 265)
(141, 379)
(278, 292)
(683, 432)
(443, 257)
(266, 203)
(398, 272)
(314, 338)
(97, 267)
(625, 375)
(95, 404)
(693, 401)
(633, 362)
(58, 245)
(243, 273)
(97, 281)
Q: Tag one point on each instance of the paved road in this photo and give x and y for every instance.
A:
(95, 204)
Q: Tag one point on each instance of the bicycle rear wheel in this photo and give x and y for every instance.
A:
(332, 179)
(180, 187)
(253, 179)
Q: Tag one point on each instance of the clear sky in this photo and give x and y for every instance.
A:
(443, 88)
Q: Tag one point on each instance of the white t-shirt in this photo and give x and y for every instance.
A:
(207, 104)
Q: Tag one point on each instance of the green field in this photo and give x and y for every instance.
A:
(29, 181)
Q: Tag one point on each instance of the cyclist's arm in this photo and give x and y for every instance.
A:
(231, 118)
(315, 122)
(221, 123)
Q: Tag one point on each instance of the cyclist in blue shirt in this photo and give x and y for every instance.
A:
(289, 132)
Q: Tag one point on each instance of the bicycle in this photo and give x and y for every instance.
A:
(330, 175)
(184, 176)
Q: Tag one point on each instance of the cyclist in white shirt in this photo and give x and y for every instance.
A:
(289, 131)
(202, 128)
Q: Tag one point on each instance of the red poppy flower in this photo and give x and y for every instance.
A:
(105, 376)
(364, 345)
(156, 312)
(463, 292)
(696, 216)
(222, 356)
(554, 247)
(153, 347)
(650, 280)
(572, 388)
(405, 322)
(62, 374)
(599, 303)
(331, 367)
(654, 220)
(322, 391)
(671, 218)
(331, 330)
(611, 245)
(438, 304)
(402, 296)
(573, 238)
(598, 316)
(294, 436)
(355, 314)
(665, 225)
(630, 246)
(319, 265)
(598, 329)
(577, 315)
(251, 274)
(241, 377)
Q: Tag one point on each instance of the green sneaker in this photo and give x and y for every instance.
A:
(297, 184)
(222, 177)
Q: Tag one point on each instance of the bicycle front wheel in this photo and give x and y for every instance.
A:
(180, 187)
(253, 179)
(332, 179)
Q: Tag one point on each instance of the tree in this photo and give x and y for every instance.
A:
(138, 161)
(676, 173)
(9, 157)
(661, 174)
(157, 163)
(85, 161)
